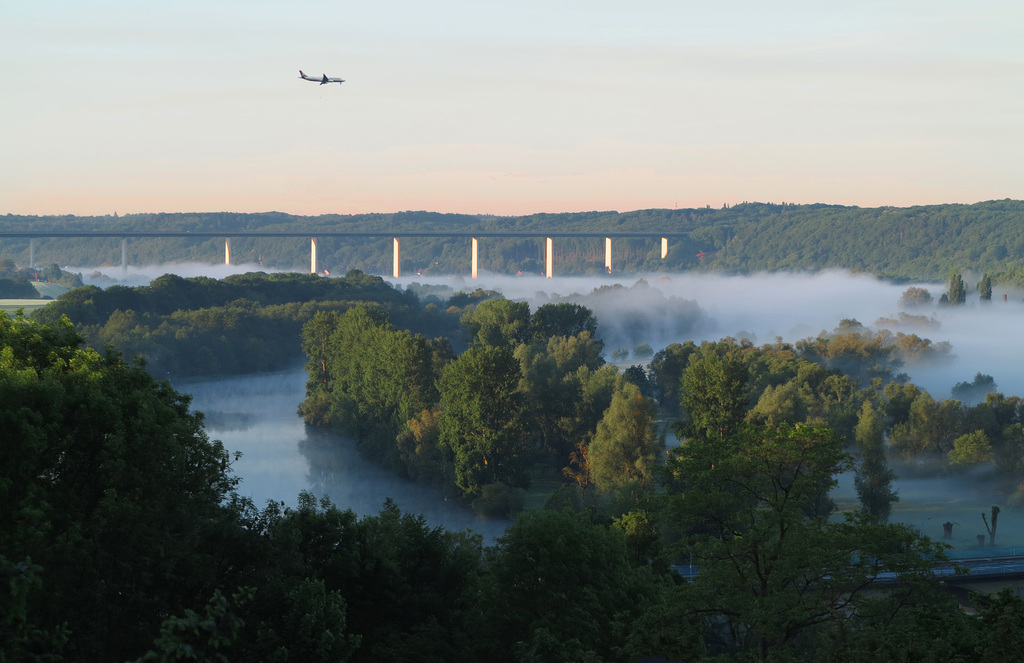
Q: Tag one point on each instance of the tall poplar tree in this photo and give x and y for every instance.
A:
(985, 288)
(957, 290)
(874, 478)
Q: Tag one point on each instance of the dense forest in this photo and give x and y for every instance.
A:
(121, 537)
(913, 243)
(245, 323)
(532, 394)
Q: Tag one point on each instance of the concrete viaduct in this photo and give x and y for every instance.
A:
(475, 237)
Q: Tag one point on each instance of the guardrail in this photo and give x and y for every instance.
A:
(975, 553)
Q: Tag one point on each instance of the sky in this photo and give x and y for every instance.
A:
(506, 108)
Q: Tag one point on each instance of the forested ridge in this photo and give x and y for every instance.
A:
(921, 243)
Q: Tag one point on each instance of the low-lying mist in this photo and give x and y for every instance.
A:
(106, 275)
(928, 502)
(658, 309)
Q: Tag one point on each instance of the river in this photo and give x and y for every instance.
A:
(281, 456)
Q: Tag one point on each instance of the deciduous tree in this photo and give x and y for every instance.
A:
(481, 419)
(971, 449)
(498, 322)
(565, 583)
(714, 395)
(914, 297)
(625, 446)
(108, 484)
(667, 368)
(971, 393)
(774, 577)
(564, 319)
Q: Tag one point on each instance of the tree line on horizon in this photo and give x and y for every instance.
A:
(913, 243)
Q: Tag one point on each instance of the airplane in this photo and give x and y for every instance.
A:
(323, 80)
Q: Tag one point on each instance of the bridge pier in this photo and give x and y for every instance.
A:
(548, 270)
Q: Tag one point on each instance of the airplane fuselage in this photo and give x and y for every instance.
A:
(322, 80)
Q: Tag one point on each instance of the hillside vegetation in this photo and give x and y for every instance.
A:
(244, 323)
(924, 242)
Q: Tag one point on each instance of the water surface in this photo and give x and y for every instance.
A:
(281, 456)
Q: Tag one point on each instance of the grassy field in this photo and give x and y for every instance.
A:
(928, 503)
(49, 290)
(12, 305)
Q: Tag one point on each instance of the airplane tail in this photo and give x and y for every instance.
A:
(301, 75)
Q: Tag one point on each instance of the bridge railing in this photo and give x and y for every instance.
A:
(974, 553)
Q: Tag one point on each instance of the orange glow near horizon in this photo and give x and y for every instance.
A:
(54, 203)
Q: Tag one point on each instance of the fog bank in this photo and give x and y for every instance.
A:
(135, 275)
(928, 502)
(659, 309)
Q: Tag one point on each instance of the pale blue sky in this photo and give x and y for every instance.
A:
(459, 106)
